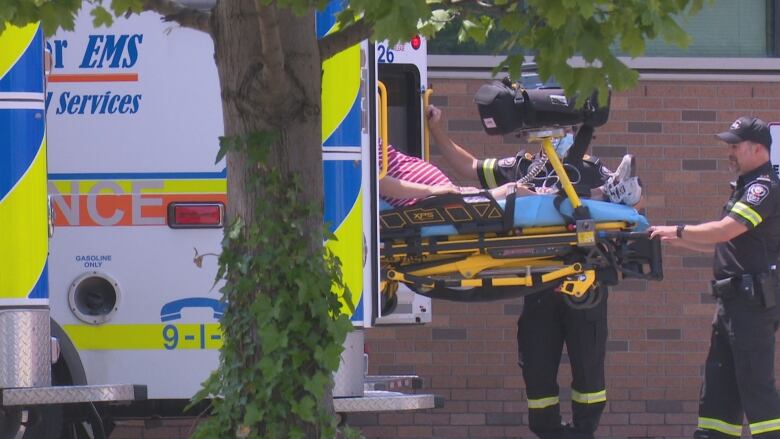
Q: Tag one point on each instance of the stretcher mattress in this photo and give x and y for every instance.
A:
(539, 211)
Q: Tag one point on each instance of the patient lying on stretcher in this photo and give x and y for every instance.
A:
(410, 179)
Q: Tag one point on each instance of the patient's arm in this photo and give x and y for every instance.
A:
(395, 188)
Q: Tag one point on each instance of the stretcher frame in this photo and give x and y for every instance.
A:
(491, 259)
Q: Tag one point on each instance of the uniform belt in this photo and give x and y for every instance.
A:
(760, 287)
(726, 288)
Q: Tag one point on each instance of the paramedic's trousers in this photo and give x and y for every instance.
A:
(545, 324)
(739, 374)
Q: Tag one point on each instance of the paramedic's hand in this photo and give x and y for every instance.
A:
(667, 233)
(434, 117)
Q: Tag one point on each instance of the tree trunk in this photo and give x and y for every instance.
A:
(251, 104)
(257, 99)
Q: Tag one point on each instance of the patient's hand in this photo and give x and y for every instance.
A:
(543, 190)
(444, 189)
(469, 190)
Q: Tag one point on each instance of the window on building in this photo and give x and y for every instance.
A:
(724, 28)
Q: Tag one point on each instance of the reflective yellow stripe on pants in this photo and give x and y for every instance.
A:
(721, 426)
(541, 403)
(588, 398)
(765, 426)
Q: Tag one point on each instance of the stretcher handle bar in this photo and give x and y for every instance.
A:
(427, 135)
(624, 235)
(560, 171)
(383, 137)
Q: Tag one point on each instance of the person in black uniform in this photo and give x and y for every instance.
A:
(739, 374)
(547, 322)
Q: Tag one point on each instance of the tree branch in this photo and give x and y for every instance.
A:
(184, 16)
(273, 56)
(334, 43)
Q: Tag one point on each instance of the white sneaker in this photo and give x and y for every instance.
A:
(623, 186)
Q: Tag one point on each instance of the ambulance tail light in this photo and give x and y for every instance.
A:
(189, 215)
(416, 41)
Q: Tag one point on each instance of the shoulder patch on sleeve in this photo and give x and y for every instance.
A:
(756, 193)
(507, 162)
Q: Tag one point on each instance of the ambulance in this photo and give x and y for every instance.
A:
(130, 118)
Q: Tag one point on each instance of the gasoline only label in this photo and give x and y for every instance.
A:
(93, 261)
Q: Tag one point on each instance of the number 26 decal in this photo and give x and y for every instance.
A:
(384, 55)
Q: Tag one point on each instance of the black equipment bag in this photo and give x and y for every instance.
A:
(505, 108)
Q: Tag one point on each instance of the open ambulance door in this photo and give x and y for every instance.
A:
(402, 81)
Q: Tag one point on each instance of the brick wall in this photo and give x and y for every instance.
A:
(659, 331)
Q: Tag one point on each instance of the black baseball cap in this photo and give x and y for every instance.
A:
(747, 128)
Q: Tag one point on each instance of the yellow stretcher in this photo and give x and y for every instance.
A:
(474, 248)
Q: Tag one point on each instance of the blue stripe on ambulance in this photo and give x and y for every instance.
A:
(41, 288)
(22, 132)
(23, 209)
(26, 75)
(326, 18)
(342, 181)
(340, 198)
(348, 133)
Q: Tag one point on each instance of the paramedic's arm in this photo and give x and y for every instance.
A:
(704, 248)
(581, 143)
(395, 188)
(464, 164)
(708, 233)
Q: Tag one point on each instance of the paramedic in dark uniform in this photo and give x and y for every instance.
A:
(739, 373)
(547, 322)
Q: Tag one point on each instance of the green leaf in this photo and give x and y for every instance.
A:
(475, 30)
(101, 17)
(121, 7)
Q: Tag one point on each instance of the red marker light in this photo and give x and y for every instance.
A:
(416, 41)
(195, 215)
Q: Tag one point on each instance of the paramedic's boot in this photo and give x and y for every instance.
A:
(623, 186)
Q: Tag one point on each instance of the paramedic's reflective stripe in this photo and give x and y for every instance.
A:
(147, 336)
(23, 211)
(748, 213)
(765, 426)
(541, 403)
(721, 426)
(487, 170)
(342, 140)
(588, 398)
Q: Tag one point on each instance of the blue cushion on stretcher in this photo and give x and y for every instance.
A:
(539, 210)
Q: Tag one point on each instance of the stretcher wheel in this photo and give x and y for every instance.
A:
(595, 295)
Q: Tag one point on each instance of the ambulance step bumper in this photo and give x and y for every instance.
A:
(392, 382)
(383, 401)
(73, 394)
